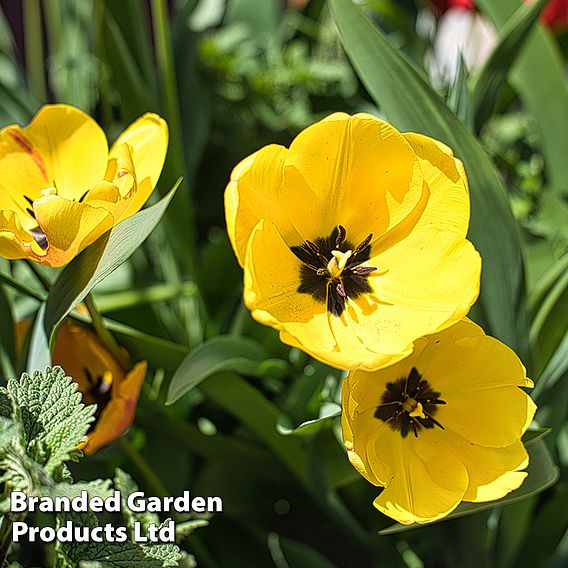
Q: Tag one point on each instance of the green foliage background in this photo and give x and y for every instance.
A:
(227, 409)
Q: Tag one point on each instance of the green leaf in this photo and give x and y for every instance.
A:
(328, 413)
(538, 76)
(98, 488)
(221, 353)
(160, 351)
(550, 322)
(542, 474)
(99, 260)
(54, 420)
(400, 89)
(8, 430)
(126, 485)
(493, 75)
(123, 74)
(557, 367)
(458, 96)
(112, 554)
(38, 352)
(246, 403)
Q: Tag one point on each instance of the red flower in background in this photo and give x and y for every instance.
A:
(445, 5)
(555, 15)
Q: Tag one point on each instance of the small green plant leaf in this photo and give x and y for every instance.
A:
(222, 353)
(53, 418)
(126, 485)
(328, 413)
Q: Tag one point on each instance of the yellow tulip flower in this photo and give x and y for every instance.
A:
(60, 186)
(353, 240)
(101, 380)
(440, 427)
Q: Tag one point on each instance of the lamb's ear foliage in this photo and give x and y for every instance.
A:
(42, 420)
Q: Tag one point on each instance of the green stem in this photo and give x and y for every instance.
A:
(164, 57)
(105, 335)
(33, 39)
(53, 25)
(144, 468)
(26, 290)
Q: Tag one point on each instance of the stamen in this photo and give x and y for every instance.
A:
(341, 232)
(363, 270)
(363, 245)
(329, 261)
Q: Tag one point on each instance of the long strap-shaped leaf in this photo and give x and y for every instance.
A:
(539, 76)
(496, 69)
(408, 101)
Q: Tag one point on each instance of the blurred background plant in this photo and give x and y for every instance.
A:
(253, 420)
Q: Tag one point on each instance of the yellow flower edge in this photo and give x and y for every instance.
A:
(440, 427)
(353, 240)
(60, 186)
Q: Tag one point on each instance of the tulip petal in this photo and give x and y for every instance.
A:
(15, 242)
(349, 171)
(423, 284)
(69, 227)
(62, 147)
(253, 194)
(271, 284)
(448, 203)
(479, 378)
(493, 472)
(147, 138)
(118, 414)
(427, 480)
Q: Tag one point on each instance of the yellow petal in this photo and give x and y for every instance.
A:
(62, 147)
(448, 205)
(493, 472)
(147, 138)
(253, 194)
(14, 241)
(347, 170)
(479, 378)
(423, 284)
(69, 227)
(427, 481)
(271, 293)
(271, 283)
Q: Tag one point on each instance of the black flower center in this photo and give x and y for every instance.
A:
(332, 269)
(409, 403)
